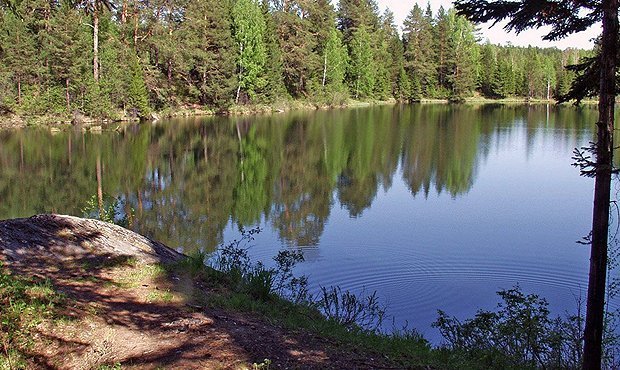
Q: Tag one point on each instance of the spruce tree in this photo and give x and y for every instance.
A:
(18, 52)
(419, 53)
(464, 54)
(64, 44)
(297, 44)
(488, 65)
(138, 95)
(210, 51)
(395, 49)
(274, 74)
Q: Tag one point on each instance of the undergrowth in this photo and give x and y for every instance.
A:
(237, 283)
(519, 334)
(24, 304)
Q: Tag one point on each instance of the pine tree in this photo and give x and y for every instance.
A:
(353, 14)
(95, 8)
(274, 74)
(249, 33)
(297, 44)
(419, 54)
(210, 51)
(442, 31)
(63, 45)
(18, 53)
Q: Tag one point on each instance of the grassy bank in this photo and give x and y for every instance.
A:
(24, 304)
(268, 310)
(60, 121)
(519, 334)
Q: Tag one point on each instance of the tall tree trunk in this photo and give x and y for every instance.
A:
(124, 13)
(135, 28)
(19, 90)
(96, 43)
(67, 98)
(593, 333)
(324, 69)
(240, 76)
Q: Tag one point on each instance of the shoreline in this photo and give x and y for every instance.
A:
(58, 123)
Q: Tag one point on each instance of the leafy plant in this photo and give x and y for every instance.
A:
(351, 310)
(519, 334)
(110, 210)
(256, 279)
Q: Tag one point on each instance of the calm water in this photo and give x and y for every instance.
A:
(434, 207)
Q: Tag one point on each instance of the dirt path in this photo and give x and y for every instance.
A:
(123, 308)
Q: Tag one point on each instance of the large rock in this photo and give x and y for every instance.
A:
(65, 238)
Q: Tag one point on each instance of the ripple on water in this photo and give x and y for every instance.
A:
(445, 282)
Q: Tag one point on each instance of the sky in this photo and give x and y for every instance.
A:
(496, 34)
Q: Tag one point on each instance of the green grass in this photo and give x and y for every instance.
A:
(405, 349)
(24, 304)
(139, 274)
(158, 296)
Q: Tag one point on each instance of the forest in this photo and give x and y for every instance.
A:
(113, 58)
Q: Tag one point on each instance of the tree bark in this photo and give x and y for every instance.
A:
(593, 333)
(67, 97)
(19, 90)
(324, 69)
(96, 43)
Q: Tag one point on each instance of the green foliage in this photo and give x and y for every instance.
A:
(297, 45)
(108, 209)
(263, 365)
(249, 32)
(255, 279)
(137, 93)
(24, 303)
(521, 334)
(361, 69)
(420, 60)
(209, 55)
(213, 53)
(336, 60)
(350, 310)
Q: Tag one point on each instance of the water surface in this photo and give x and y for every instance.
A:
(432, 206)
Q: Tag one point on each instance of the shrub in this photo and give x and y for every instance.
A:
(519, 335)
(351, 310)
(256, 279)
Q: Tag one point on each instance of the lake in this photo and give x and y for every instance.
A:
(432, 206)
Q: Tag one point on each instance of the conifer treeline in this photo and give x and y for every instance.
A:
(100, 57)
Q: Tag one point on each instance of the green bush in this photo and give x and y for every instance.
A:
(520, 334)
